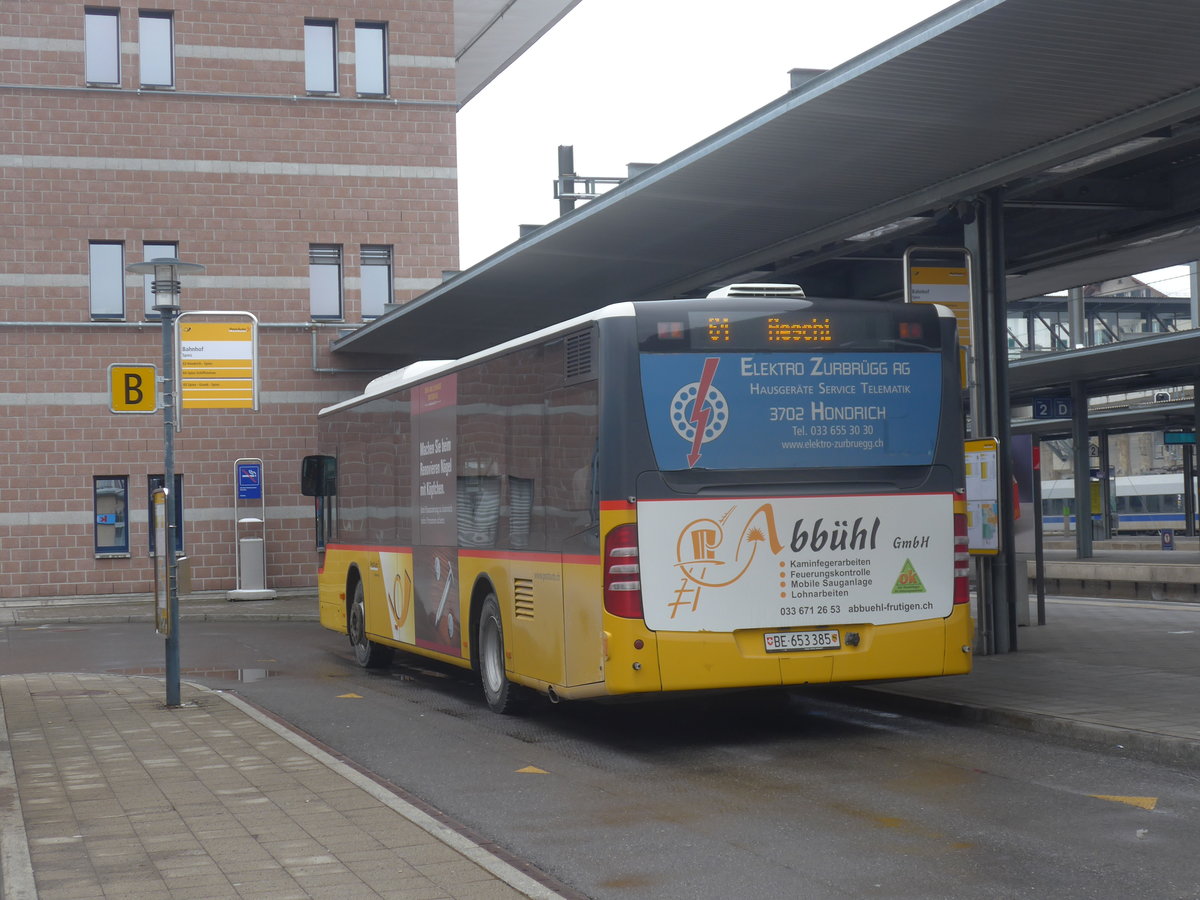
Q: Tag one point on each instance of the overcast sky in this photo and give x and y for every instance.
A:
(640, 80)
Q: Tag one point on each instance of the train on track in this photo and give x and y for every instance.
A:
(1143, 504)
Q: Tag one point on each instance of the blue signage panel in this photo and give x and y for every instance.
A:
(249, 481)
(1052, 407)
(791, 410)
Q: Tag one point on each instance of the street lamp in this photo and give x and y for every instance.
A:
(165, 287)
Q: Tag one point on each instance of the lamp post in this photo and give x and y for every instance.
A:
(165, 288)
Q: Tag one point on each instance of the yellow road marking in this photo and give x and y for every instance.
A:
(349, 696)
(1139, 802)
(532, 770)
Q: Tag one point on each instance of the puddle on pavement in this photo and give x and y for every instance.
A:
(245, 676)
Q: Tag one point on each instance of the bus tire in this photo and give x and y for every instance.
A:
(367, 653)
(500, 693)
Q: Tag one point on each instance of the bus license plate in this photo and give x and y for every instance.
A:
(783, 641)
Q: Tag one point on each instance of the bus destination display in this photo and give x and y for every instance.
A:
(900, 326)
(717, 330)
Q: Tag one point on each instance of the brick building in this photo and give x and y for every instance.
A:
(303, 153)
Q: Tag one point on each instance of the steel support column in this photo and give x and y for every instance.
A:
(1189, 488)
(1076, 319)
(1189, 493)
(1083, 483)
(997, 574)
(1194, 285)
(1107, 488)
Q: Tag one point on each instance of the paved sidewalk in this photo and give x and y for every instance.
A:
(291, 605)
(1113, 673)
(122, 798)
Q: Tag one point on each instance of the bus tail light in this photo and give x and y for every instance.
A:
(962, 555)
(622, 573)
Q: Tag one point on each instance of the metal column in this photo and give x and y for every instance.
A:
(997, 575)
(1078, 330)
(1189, 487)
(566, 172)
(1083, 483)
(170, 412)
(1189, 493)
(1107, 488)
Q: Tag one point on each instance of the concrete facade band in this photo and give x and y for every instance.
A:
(239, 166)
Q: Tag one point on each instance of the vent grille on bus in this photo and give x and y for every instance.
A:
(759, 290)
(523, 598)
(578, 362)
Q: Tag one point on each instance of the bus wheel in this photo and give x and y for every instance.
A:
(500, 693)
(367, 653)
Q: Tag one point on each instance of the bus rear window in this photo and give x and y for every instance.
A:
(791, 410)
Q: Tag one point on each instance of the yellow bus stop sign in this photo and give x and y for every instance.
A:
(216, 365)
(132, 388)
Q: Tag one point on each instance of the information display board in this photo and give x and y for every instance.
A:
(216, 365)
(948, 286)
(983, 496)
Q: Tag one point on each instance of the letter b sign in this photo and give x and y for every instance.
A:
(132, 388)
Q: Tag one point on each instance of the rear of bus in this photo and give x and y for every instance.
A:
(781, 494)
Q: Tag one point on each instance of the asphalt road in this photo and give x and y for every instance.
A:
(779, 794)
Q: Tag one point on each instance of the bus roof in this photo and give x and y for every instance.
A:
(420, 371)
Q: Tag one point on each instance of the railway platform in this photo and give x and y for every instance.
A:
(1124, 568)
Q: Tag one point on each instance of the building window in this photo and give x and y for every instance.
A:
(106, 279)
(325, 281)
(102, 46)
(320, 56)
(376, 280)
(156, 49)
(155, 251)
(110, 503)
(154, 482)
(370, 58)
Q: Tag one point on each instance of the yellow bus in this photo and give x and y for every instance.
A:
(677, 495)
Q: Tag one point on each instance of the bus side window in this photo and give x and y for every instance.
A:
(525, 416)
(520, 516)
(571, 437)
(477, 498)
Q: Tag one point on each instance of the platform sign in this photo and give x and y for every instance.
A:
(132, 388)
(1179, 436)
(249, 481)
(948, 286)
(216, 365)
(1052, 406)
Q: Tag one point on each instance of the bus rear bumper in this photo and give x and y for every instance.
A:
(704, 660)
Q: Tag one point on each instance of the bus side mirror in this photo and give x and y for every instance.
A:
(318, 476)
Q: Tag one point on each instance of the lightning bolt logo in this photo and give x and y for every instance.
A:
(701, 410)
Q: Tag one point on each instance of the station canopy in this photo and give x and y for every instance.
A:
(1084, 113)
(490, 34)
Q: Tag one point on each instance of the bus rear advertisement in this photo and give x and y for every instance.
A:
(659, 496)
